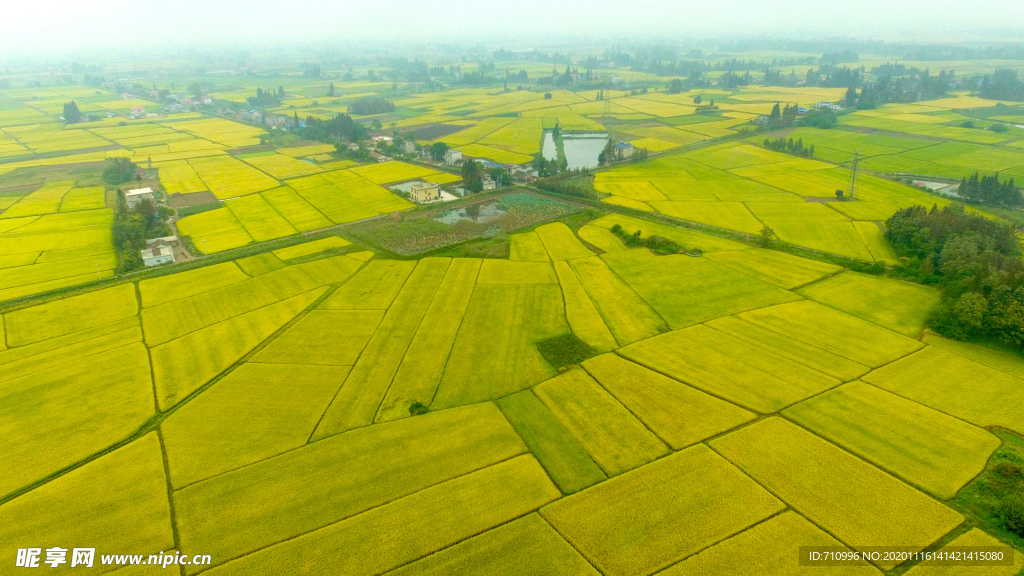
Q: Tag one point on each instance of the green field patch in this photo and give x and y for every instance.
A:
(56, 417)
(833, 237)
(340, 477)
(525, 546)
(835, 331)
(183, 365)
(527, 247)
(625, 313)
(68, 315)
(255, 412)
(565, 460)
(613, 437)
(957, 386)
(849, 498)
(729, 368)
(423, 366)
(818, 358)
(767, 548)
(495, 352)
(926, 448)
(678, 414)
(260, 264)
(630, 524)
(783, 270)
(899, 306)
(508, 272)
(368, 382)
(685, 290)
(374, 287)
(323, 337)
(127, 485)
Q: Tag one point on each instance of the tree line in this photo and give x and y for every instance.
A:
(976, 262)
(989, 190)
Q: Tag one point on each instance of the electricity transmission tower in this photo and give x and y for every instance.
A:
(853, 176)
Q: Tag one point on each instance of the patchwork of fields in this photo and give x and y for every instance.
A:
(743, 188)
(750, 397)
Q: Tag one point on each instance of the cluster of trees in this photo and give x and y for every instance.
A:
(976, 261)
(1002, 85)
(989, 190)
(790, 147)
(371, 105)
(131, 229)
(782, 117)
(119, 171)
(819, 118)
(266, 97)
(571, 183)
(71, 113)
(657, 244)
(312, 71)
(340, 128)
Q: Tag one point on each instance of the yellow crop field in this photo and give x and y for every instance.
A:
(89, 198)
(695, 487)
(522, 136)
(498, 155)
(281, 166)
(837, 491)
(926, 448)
(178, 177)
(189, 283)
(767, 548)
(627, 316)
(955, 385)
(527, 247)
(299, 213)
(229, 178)
(678, 414)
(310, 150)
(614, 438)
(314, 247)
(45, 200)
(214, 231)
(69, 315)
(259, 218)
(393, 171)
(226, 132)
(580, 312)
(561, 243)
(858, 295)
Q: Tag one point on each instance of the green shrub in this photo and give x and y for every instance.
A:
(564, 350)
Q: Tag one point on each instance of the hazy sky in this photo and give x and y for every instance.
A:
(60, 24)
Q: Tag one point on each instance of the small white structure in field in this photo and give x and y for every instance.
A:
(157, 254)
(829, 105)
(425, 192)
(133, 197)
(489, 184)
(452, 157)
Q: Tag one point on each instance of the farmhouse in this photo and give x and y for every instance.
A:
(424, 192)
(829, 105)
(133, 197)
(624, 150)
(489, 184)
(157, 253)
(409, 147)
(452, 157)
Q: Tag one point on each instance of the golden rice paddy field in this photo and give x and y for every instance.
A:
(744, 399)
(323, 410)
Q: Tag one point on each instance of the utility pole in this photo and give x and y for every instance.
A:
(853, 175)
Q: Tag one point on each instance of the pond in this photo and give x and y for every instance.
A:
(479, 213)
(581, 149)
